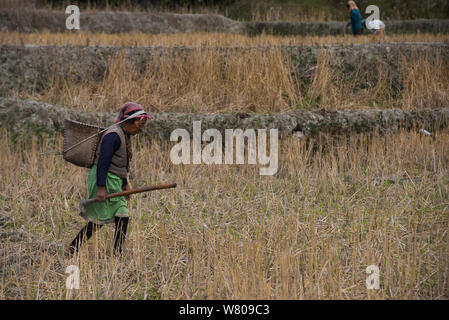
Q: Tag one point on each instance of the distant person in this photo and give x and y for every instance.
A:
(376, 26)
(356, 19)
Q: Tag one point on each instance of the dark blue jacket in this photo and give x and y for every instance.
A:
(356, 20)
(111, 143)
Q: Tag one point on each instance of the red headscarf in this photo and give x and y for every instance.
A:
(127, 109)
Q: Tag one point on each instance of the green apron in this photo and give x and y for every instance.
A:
(104, 212)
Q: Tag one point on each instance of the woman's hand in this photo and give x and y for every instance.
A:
(101, 193)
(125, 188)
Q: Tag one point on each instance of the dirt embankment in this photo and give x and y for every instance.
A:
(21, 116)
(28, 20)
(338, 28)
(29, 68)
(115, 22)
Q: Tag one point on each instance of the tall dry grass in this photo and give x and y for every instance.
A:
(423, 83)
(204, 79)
(309, 232)
(198, 39)
(201, 81)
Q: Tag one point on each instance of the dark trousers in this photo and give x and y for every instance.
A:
(358, 32)
(121, 226)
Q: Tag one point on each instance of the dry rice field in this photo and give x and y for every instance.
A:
(335, 206)
(308, 232)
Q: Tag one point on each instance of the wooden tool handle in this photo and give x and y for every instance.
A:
(141, 189)
(137, 190)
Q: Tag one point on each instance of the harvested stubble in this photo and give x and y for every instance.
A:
(308, 232)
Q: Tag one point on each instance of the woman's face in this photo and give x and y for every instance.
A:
(135, 127)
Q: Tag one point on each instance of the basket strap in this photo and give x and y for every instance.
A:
(60, 153)
(96, 134)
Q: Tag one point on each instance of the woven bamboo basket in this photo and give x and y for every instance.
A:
(83, 154)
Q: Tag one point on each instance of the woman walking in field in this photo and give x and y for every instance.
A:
(109, 175)
(356, 18)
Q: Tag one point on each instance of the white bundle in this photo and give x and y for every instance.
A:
(375, 24)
